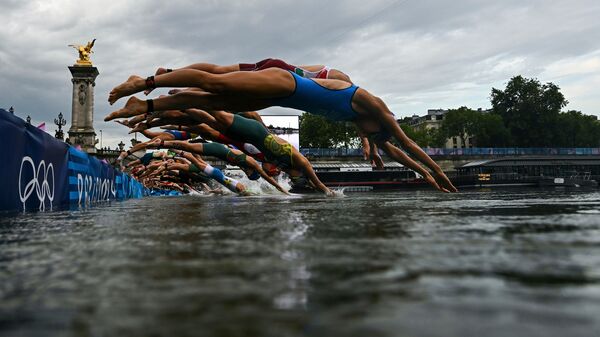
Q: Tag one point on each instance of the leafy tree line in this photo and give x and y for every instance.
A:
(531, 113)
(526, 113)
(318, 132)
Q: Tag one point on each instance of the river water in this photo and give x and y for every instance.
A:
(505, 262)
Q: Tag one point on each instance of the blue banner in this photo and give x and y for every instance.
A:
(475, 151)
(33, 166)
(39, 172)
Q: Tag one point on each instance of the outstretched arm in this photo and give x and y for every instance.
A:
(176, 144)
(300, 162)
(376, 108)
(405, 160)
(439, 174)
(254, 164)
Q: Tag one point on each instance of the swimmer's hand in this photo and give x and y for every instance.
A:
(429, 178)
(154, 144)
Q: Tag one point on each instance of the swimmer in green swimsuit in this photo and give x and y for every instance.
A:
(232, 156)
(191, 163)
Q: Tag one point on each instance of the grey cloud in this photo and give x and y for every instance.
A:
(414, 54)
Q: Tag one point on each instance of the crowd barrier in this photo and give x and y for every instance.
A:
(39, 172)
(475, 151)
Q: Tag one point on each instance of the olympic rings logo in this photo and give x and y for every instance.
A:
(43, 190)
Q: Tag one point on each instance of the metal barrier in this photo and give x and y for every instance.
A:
(475, 151)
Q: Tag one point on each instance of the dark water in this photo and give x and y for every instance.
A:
(478, 263)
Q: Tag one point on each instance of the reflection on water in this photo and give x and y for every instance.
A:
(420, 263)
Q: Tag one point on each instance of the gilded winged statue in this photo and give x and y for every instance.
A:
(84, 52)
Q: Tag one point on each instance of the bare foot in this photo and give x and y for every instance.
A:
(133, 107)
(123, 122)
(159, 71)
(133, 85)
(139, 127)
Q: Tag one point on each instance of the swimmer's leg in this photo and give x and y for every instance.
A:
(232, 184)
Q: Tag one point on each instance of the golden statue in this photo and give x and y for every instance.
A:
(84, 53)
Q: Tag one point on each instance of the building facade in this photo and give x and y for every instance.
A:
(433, 120)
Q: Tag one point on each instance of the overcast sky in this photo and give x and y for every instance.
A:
(415, 54)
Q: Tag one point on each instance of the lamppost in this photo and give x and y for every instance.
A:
(121, 146)
(60, 122)
(100, 139)
(28, 119)
(11, 110)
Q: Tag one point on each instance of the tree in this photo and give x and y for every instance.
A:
(530, 110)
(486, 129)
(423, 137)
(577, 130)
(490, 131)
(313, 131)
(318, 132)
(461, 122)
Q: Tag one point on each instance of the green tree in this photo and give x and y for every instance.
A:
(490, 131)
(344, 134)
(423, 137)
(530, 110)
(577, 130)
(461, 123)
(318, 132)
(314, 131)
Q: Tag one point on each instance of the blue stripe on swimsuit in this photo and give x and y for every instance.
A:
(179, 135)
(312, 97)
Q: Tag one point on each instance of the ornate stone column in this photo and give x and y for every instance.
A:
(82, 113)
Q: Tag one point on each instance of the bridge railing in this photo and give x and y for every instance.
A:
(475, 151)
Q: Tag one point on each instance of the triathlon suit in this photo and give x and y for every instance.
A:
(181, 135)
(147, 158)
(247, 148)
(276, 63)
(314, 98)
(255, 133)
(223, 152)
(381, 136)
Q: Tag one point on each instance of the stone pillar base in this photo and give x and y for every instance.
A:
(82, 113)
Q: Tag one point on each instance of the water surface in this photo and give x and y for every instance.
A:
(421, 263)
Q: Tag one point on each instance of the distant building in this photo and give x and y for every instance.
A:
(433, 120)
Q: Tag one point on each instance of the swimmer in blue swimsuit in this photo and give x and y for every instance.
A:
(370, 151)
(235, 157)
(246, 91)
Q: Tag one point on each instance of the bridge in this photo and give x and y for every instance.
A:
(449, 158)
